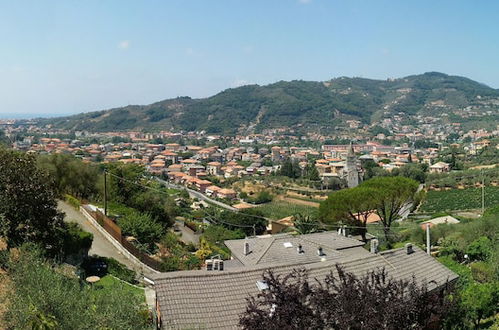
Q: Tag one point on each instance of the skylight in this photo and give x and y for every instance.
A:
(262, 285)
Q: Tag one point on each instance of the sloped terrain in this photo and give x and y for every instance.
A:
(303, 105)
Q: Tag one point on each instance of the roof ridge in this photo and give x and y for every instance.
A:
(265, 251)
(311, 265)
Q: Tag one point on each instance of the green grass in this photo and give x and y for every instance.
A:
(459, 199)
(280, 209)
(109, 282)
(172, 191)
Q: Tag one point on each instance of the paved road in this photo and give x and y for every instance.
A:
(406, 209)
(197, 194)
(100, 245)
(188, 235)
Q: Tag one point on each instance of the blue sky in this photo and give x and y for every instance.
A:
(68, 56)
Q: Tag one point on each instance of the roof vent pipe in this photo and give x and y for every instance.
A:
(246, 248)
(299, 249)
(320, 251)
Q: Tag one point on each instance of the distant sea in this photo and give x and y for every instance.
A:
(30, 115)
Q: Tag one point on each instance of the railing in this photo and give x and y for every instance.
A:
(115, 231)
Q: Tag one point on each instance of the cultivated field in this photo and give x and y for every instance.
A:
(459, 199)
(279, 209)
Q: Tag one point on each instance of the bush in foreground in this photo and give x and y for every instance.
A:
(42, 298)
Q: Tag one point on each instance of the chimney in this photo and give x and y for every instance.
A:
(320, 251)
(374, 245)
(408, 248)
(246, 248)
(299, 249)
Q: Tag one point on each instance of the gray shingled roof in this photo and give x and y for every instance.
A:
(214, 300)
(269, 250)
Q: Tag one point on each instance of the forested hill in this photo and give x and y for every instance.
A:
(304, 105)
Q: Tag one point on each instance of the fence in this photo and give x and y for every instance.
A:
(110, 227)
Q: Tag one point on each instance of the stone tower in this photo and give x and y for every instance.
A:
(351, 173)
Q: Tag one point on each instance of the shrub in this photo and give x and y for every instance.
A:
(480, 301)
(117, 269)
(480, 249)
(170, 264)
(40, 294)
(4, 259)
(192, 225)
(191, 262)
(75, 239)
(482, 272)
(453, 246)
(262, 197)
(74, 202)
(142, 227)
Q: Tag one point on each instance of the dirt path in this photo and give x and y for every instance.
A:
(298, 201)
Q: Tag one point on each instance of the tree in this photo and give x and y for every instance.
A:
(392, 195)
(305, 224)
(411, 171)
(155, 204)
(480, 249)
(217, 234)
(124, 181)
(142, 227)
(479, 301)
(290, 168)
(350, 206)
(262, 197)
(4, 140)
(28, 205)
(311, 172)
(342, 301)
(70, 175)
(249, 221)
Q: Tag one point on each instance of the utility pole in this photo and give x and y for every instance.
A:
(105, 193)
(428, 247)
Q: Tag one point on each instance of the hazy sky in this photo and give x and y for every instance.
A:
(60, 57)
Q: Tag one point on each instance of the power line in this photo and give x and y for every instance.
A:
(138, 184)
(335, 226)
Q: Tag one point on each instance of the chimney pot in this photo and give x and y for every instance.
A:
(246, 248)
(299, 249)
(408, 248)
(320, 251)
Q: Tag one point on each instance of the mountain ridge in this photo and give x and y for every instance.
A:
(304, 105)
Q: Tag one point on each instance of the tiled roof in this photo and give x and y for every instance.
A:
(266, 250)
(215, 299)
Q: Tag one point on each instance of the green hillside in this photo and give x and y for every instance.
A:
(303, 105)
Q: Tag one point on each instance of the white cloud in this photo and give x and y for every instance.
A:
(304, 1)
(125, 44)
